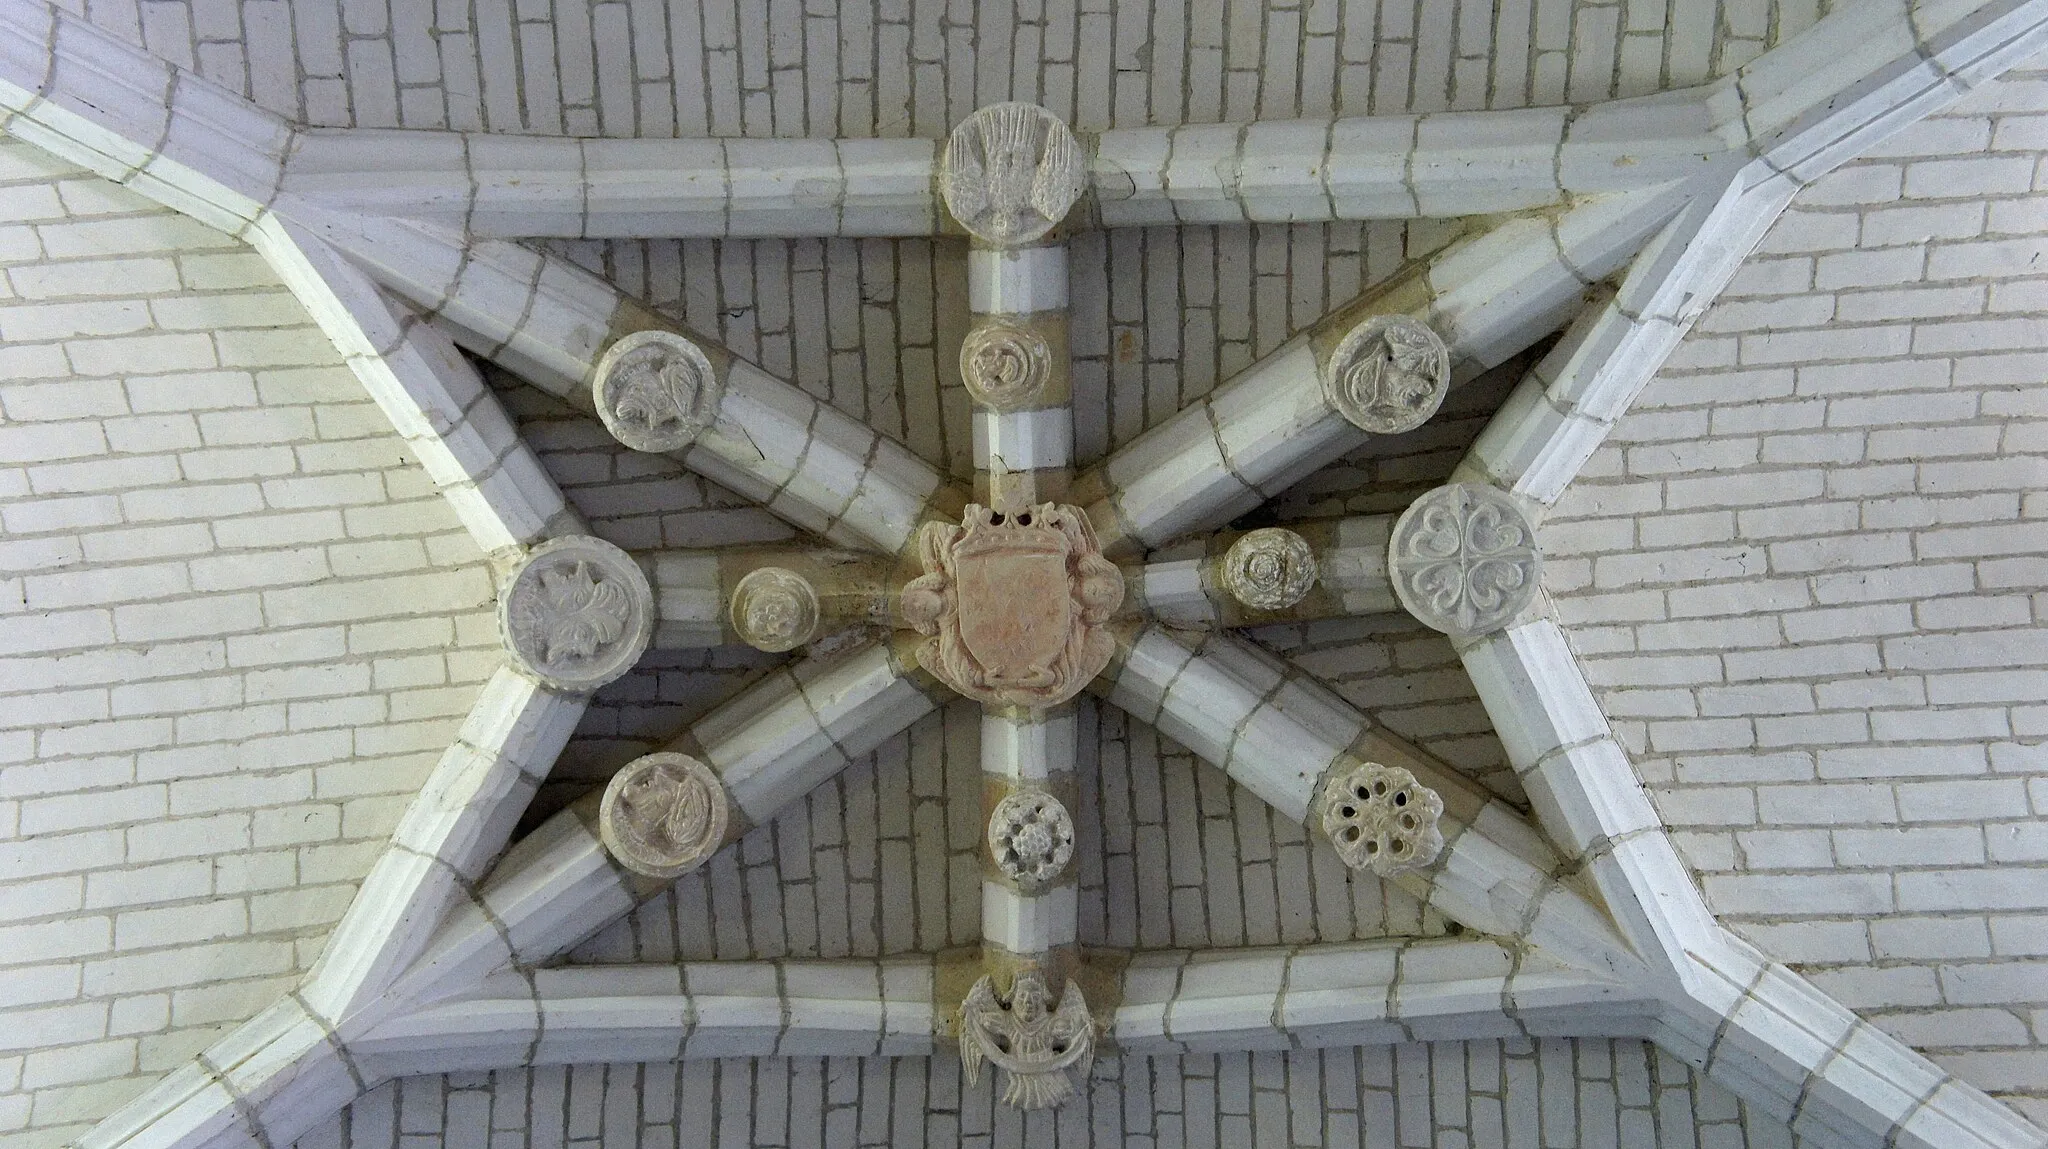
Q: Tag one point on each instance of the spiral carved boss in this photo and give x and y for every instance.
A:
(1271, 568)
(1005, 366)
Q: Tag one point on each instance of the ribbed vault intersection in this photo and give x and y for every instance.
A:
(1620, 220)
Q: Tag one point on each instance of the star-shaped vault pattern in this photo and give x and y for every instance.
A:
(1616, 221)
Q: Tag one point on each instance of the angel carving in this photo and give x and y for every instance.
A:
(1034, 1045)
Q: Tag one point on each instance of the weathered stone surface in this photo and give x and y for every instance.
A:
(1380, 818)
(1031, 837)
(577, 614)
(1031, 1043)
(663, 815)
(1464, 559)
(1269, 569)
(1005, 366)
(1389, 375)
(1011, 172)
(655, 391)
(775, 609)
(1014, 604)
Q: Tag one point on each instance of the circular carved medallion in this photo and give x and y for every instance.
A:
(1031, 836)
(1380, 818)
(1011, 172)
(1005, 367)
(775, 609)
(1269, 569)
(655, 391)
(663, 815)
(577, 613)
(1464, 559)
(1389, 375)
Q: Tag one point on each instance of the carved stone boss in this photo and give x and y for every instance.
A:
(1005, 366)
(656, 391)
(1034, 1044)
(1011, 172)
(1380, 818)
(1389, 375)
(663, 815)
(1464, 559)
(577, 613)
(775, 609)
(1271, 568)
(1031, 837)
(1014, 604)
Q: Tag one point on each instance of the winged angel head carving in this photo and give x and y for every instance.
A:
(1012, 171)
(1034, 1045)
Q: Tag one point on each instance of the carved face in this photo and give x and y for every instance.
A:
(1027, 1038)
(1014, 604)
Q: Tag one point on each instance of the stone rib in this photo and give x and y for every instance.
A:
(1487, 297)
(548, 321)
(1279, 734)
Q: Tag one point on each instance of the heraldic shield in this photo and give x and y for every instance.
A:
(1015, 604)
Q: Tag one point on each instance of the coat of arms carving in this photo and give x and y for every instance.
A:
(1015, 604)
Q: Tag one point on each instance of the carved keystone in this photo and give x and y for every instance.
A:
(1014, 604)
(1033, 1044)
(1269, 569)
(577, 613)
(1389, 375)
(1380, 818)
(1011, 172)
(1464, 559)
(663, 815)
(655, 391)
(775, 609)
